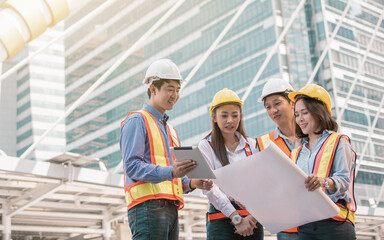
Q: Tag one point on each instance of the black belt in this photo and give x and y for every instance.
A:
(166, 202)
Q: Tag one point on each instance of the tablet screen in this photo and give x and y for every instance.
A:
(202, 170)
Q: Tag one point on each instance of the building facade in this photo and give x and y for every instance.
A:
(352, 70)
(40, 98)
(8, 113)
(32, 99)
(93, 129)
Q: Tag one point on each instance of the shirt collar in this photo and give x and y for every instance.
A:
(277, 133)
(241, 138)
(156, 114)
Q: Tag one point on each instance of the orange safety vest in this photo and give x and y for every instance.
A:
(322, 168)
(141, 191)
(262, 142)
(220, 215)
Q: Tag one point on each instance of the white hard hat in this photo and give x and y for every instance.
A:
(162, 69)
(275, 85)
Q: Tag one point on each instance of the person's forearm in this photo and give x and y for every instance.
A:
(220, 201)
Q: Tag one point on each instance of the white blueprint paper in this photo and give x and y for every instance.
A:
(272, 188)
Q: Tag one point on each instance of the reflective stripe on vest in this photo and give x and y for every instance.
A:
(215, 216)
(295, 153)
(141, 191)
(322, 167)
(262, 142)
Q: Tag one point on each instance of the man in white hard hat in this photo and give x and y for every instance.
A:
(280, 109)
(154, 182)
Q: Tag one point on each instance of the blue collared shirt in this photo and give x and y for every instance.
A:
(288, 142)
(135, 150)
(342, 167)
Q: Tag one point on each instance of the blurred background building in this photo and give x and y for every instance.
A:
(40, 98)
(93, 128)
(352, 71)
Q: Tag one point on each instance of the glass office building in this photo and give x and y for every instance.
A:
(93, 129)
(39, 89)
(8, 113)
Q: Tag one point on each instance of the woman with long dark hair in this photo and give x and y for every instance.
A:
(329, 161)
(226, 144)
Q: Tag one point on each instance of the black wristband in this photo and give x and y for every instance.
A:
(191, 186)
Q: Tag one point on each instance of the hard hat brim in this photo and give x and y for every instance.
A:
(239, 103)
(149, 81)
(262, 98)
(275, 86)
(292, 96)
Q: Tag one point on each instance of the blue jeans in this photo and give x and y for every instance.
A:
(327, 230)
(287, 236)
(154, 219)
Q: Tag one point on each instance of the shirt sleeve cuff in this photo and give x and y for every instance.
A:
(186, 185)
(165, 173)
(330, 192)
(228, 209)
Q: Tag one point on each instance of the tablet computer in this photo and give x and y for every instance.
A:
(202, 170)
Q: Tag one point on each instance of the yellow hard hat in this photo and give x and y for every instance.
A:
(313, 91)
(225, 96)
